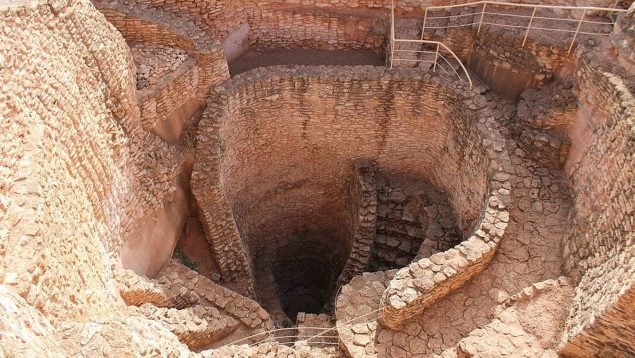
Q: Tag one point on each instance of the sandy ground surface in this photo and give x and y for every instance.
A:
(256, 57)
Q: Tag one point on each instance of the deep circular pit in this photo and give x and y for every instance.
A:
(304, 270)
(288, 146)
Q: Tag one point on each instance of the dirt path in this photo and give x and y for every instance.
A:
(255, 58)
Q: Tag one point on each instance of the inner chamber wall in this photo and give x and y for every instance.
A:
(289, 138)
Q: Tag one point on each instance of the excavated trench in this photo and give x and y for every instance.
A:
(282, 157)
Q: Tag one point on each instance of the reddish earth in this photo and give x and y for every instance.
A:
(258, 57)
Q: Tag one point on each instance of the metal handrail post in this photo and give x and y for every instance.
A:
(425, 16)
(480, 23)
(458, 60)
(577, 30)
(529, 26)
(436, 57)
(392, 32)
(560, 7)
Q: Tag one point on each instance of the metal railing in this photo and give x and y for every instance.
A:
(426, 51)
(575, 20)
(323, 335)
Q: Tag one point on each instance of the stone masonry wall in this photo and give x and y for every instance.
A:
(172, 102)
(214, 209)
(168, 107)
(154, 61)
(220, 17)
(287, 138)
(413, 220)
(544, 114)
(417, 286)
(225, 16)
(78, 174)
(274, 28)
(599, 251)
(364, 220)
(495, 55)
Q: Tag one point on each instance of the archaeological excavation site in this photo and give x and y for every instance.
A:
(317, 178)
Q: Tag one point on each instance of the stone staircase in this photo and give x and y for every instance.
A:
(201, 313)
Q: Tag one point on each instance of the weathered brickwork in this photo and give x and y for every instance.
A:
(316, 29)
(137, 290)
(318, 330)
(305, 177)
(544, 116)
(552, 106)
(550, 147)
(199, 312)
(526, 324)
(623, 40)
(169, 105)
(196, 326)
(25, 330)
(598, 253)
(356, 311)
(427, 280)
(364, 219)
(496, 55)
(224, 16)
(221, 17)
(213, 207)
(528, 252)
(153, 62)
(187, 288)
(413, 220)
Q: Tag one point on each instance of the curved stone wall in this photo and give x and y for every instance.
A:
(168, 106)
(599, 252)
(427, 280)
(322, 29)
(276, 149)
(85, 189)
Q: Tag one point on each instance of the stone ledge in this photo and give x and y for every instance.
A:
(523, 324)
(428, 280)
(197, 326)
